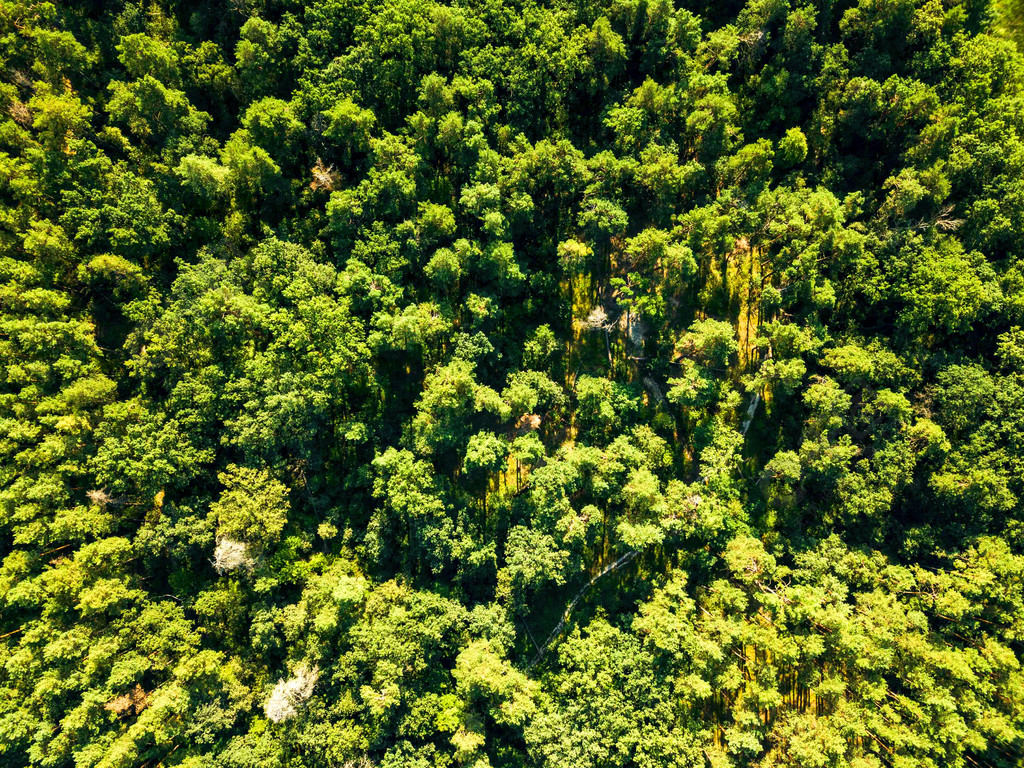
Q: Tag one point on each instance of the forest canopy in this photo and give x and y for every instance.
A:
(511, 383)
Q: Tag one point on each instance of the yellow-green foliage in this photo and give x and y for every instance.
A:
(442, 384)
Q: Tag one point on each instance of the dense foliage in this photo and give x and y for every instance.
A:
(605, 383)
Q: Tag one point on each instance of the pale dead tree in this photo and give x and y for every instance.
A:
(753, 38)
(99, 497)
(20, 113)
(324, 176)
(318, 124)
(129, 703)
(755, 400)
(21, 79)
(557, 631)
(748, 417)
(229, 555)
(598, 320)
(943, 221)
(636, 331)
(291, 694)
(527, 423)
(654, 389)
